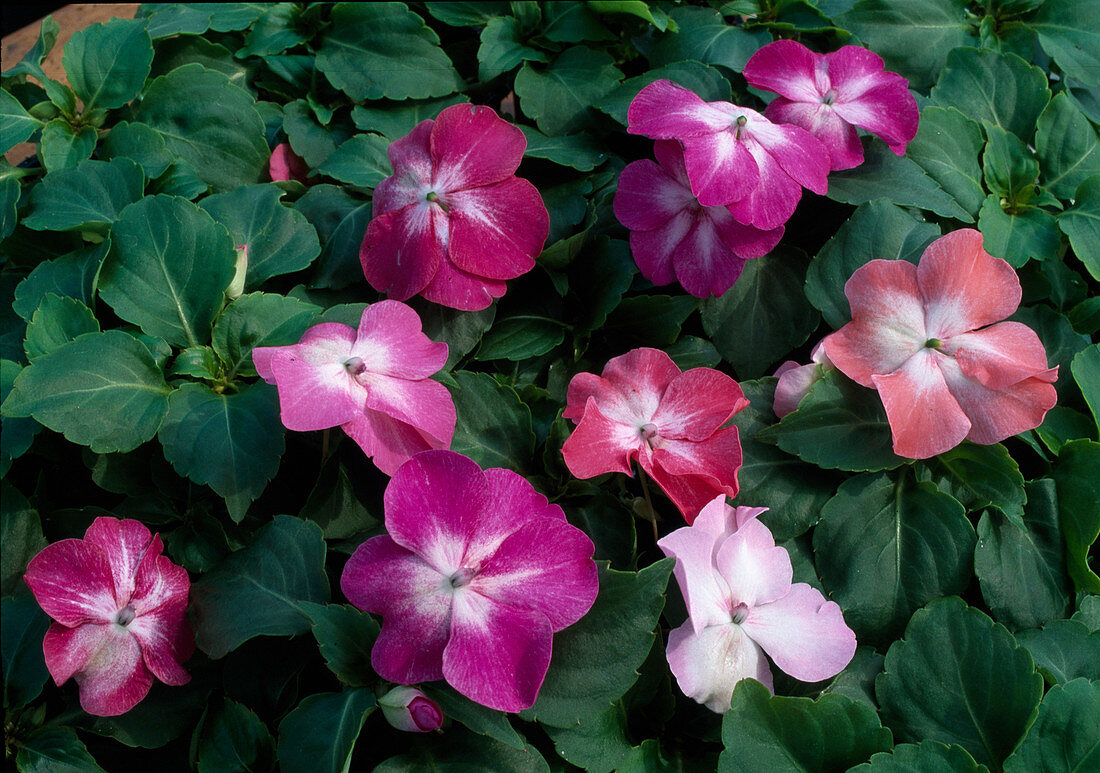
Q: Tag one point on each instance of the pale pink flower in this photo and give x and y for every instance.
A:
(796, 381)
(409, 709)
(924, 337)
(642, 407)
(829, 95)
(453, 221)
(476, 575)
(742, 605)
(285, 164)
(372, 382)
(118, 609)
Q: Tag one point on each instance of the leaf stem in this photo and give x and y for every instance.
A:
(648, 501)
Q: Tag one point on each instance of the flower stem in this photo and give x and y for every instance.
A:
(648, 501)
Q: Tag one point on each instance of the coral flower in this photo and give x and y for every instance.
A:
(285, 164)
(453, 221)
(642, 407)
(829, 95)
(476, 575)
(924, 337)
(733, 156)
(741, 604)
(372, 382)
(674, 238)
(118, 608)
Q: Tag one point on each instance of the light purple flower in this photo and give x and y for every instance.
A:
(796, 381)
(476, 575)
(741, 605)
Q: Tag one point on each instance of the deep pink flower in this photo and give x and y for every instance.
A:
(796, 381)
(642, 407)
(285, 164)
(409, 709)
(118, 607)
(924, 337)
(741, 604)
(477, 573)
(453, 221)
(674, 238)
(373, 383)
(829, 95)
(734, 156)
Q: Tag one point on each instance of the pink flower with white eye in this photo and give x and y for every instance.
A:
(796, 381)
(733, 156)
(924, 337)
(285, 164)
(674, 238)
(118, 608)
(829, 95)
(453, 221)
(642, 407)
(742, 605)
(372, 382)
(409, 709)
(476, 575)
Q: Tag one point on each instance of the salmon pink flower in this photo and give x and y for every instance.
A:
(829, 95)
(476, 575)
(924, 337)
(118, 608)
(642, 407)
(733, 156)
(674, 238)
(796, 381)
(742, 605)
(453, 221)
(285, 164)
(372, 382)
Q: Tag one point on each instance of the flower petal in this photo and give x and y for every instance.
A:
(389, 442)
(647, 196)
(798, 153)
(774, 199)
(410, 157)
(692, 473)
(285, 164)
(667, 110)
(721, 169)
(708, 666)
(106, 661)
(721, 520)
(653, 250)
(599, 444)
(127, 544)
(457, 289)
(697, 403)
(794, 384)
(705, 592)
(629, 389)
(789, 69)
(514, 504)
(403, 249)
(1001, 355)
(424, 404)
(160, 624)
(316, 391)
(998, 414)
(390, 340)
(73, 583)
(872, 99)
(498, 230)
(472, 146)
(755, 569)
(826, 124)
(704, 263)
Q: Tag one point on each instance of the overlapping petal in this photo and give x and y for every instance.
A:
(105, 659)
(708, 665)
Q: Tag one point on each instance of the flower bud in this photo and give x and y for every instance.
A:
(409, 709)
(236, 287)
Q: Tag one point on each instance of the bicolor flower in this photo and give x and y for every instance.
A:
(372, 382)
(742, 605)
(674, 238)
(453, 221)
(118, 609)
(475, 576)
(930, 339)
(796, 381)
(829, 95)
(733, 156)
(409, 709)
(642, 407)
(285, 164)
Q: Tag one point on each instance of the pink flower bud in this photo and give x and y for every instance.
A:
(409, 709)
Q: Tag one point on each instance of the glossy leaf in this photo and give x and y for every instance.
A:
(319, 735)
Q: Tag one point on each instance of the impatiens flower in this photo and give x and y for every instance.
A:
(453, 221)
(642, 407)
(118, 608)
(674, 238)
(733, 156)
(742, 605)
(409, 709)
(924, 337)
(285, 164)
(476, 575)
(795, 381)
(372, 382)
(829, 95)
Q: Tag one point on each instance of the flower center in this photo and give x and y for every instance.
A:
(739, 125)
(433, 198)
(740, 612)
(933, 343)
(355, 365)
(462, 577)
(126, 615)
(830, 97)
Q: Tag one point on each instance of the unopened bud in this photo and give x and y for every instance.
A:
(236, 287)
(409, 709)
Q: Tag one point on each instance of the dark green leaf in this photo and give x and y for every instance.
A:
(930, 756)
(520, 338)
(1009, 167)
(568, 22)
(502, 48)
(313, 142)
(477, 718)
(494, 425)
(596, 743)
(464, 752)
(979, 476)
(361, 161)
(1086, 372)
(1067, 31)
(197, 362)
(560, 96)
(467, 14)
(16, 124)
(22, 626)
(1067, 146)
(345, 637)
(1081, 223)
(704, 36)
(63, 147)
(947, 146)
(107, 64)
(319, 736)
(579, 151)
(1064, 650)
(231, 738)
(70, 276)
(1077, 476)
(335, 506)
(274, 32)
(1018, 233)
(857, 680)
(54, 750)
(1000, 88)
(1066, 734)
(16, 436)
(650, 320)
(88, 197)
(396, 119)
(21, 532)
(139, 143)
(259, 319)
(56, 322)
(704, 80)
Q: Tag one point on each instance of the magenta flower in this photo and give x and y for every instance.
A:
(453, 221)
(373, 383)
(409, 709)
(924, 337)
(742, 605)
(796, 381)
(733, 156)
(829, 95)
(476, 575)
(118, 608)
(674, 238)
(642, 407)
(285, 164)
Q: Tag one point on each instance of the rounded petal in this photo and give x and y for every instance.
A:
(629, 389)
(599, 444)
(389, 442)
(708, 666)
(472, 146)
(745, 241)
(772, 202)
(457, 289)
(424, 404)
(515, 504)
(721, 169)
(285, 164)
(390, 341)
(692, 473)
(498, 230)
(127, 543)
(704, 263)
(872, 99)
(826, 124)
(1001, 355)
(794, 384)
(653, 250)
(705, 592)
(697, 403)
(410, 157)
(106, 661)
(996, 414)
(403, 249)
(73, 583)
(798, 153)
(647, 196)
(667, 110)
(316, 391)
(789, 69)
(721, 520)
(166, 642)
(754, 568)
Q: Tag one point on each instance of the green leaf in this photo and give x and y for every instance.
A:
(257, 590)
(494, 426)
(1081, 223)
(595, 660)
(103, 390)
(360, 161)
(569, 22)
(278, 29)
(857, 680)
(168, 268)
(928, 756)
(63, 147)
(1063, 424)
(1077, 476)
(23, 624)
(259, 319)
(89, 197)
(763, 316)
(839, 425)
(766, 732)
(502, 48)
(319, 735)
(884, 548)
(464, 752)
(1059, 339)
(1066, 734)
(54, 750)
(209, 123)
(167, 19)
(979, 476)
(876, 230)
(1064, 650)
(396, 119)
(197, 362)
(16, 437)
(1067, 146)
(947, 146)
(230, 737)
(477, 718)
(313, 142)
(279, 239)
(31, 63)
(650, 320)
(579, 151)
(520, 338)
(107, 64)
(560, 96)
(467, 14)
(654, 16)
(56, 322)
(140, 144)
(704, 80)
(21, 532)
(595, 744)
(1067, 31)
(16, 124)
(345, 637)
(1008, 165)
(1022, 568)
(376, 50)
(70, 276)
(704, 36)
(335, 506)
(341, 221)
(884, 175)
(958, 677)
(1086, 372)
(1018, 234)
(10, 193)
